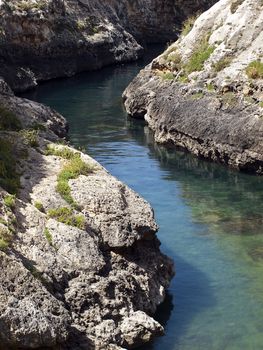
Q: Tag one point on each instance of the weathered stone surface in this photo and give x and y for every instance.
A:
(217, 113)
(41, 116)
(30, 316)
(71, 286)
(122, 216)
(138, 327)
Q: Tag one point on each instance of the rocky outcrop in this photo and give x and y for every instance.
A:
(80, 262)
(205, 92)
(45, 39)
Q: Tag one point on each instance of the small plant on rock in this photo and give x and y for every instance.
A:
(10, 201)
(48, 236)
(39, 206)
(9, 178)
(5, 237)
(30, 137)
(255, 70)
(199, 56)
(74, 168)
(66, 216)
(235, 5)
(222, 64)
(8, 120)
(188, 24)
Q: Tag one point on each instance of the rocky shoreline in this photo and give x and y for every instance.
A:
(80, 262)
(205, 92)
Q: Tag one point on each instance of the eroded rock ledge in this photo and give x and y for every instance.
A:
(45, 39)
(80, 262)
(205, 92)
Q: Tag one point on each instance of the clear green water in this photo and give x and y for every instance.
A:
(210, 218)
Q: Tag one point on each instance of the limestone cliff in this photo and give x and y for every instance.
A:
(205, 92)
(80, 262)
(44, 39)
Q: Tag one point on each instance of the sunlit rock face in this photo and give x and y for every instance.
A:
(205, 92)
(45, 39)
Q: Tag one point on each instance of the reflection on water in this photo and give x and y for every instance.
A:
(210, 218)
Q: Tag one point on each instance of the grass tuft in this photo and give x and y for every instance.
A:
(67, 216)
(48, 236)
(8, 120)
(255, 70)
(198, 57)
(188, 24)
(222, 64)
(74, 168)
(197, 96)
(235, 5)
(39, 206)
(10, 201)
(71, 170)
(9, 179)
(5, 238)
(30, 137)
(63, 152)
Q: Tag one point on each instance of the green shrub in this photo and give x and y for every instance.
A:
(183, 79)
(38, 126)
(230, 99)
(67, 216)
(255, 70)
(5, 238)
(174, 57)
(210, 87)
(64, 190)
(63, 152)
(10, 201)
(197, 96)
(9, 179)
(222, 64)
(3, 221)
(235, 4)
(167, 75)
(3, 244)
(8, 120)
(188, 24)
(27, 6)
(30, 137)
(74, 168)
(198, 57)
(39, 206)
(81, 24)
(48, 236)
(71, 170)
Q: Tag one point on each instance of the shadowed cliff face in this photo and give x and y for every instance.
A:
(156, 20)
(41, 40)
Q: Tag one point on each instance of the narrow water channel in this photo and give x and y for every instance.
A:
(210, 218)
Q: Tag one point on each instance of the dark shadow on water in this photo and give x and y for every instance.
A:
(183, 302)
(230, 200)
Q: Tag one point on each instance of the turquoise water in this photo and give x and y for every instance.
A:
(210, 218)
